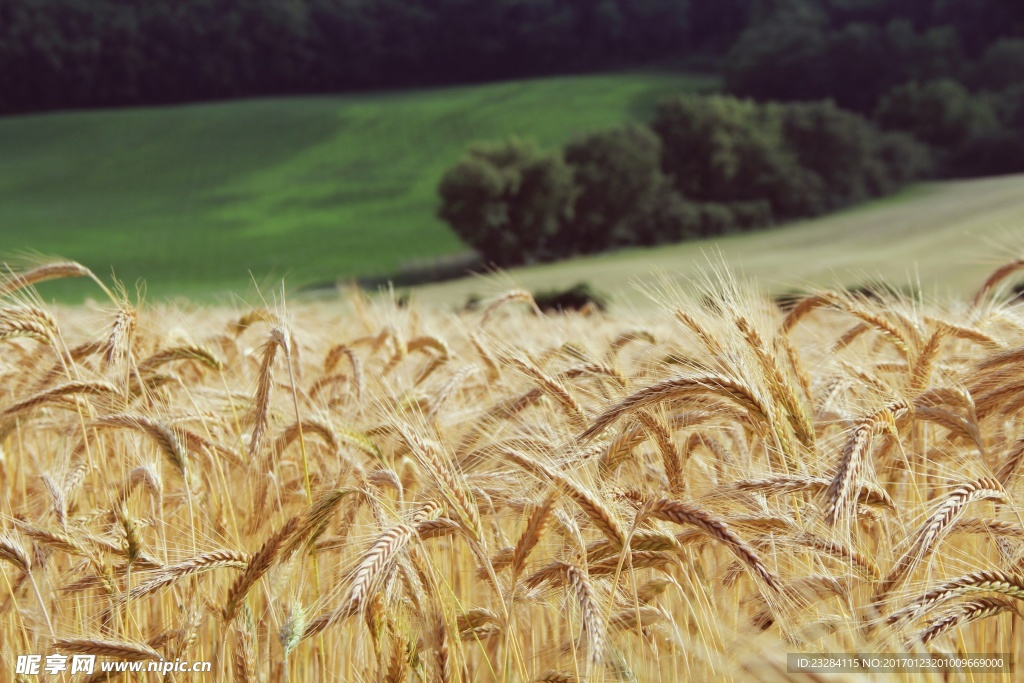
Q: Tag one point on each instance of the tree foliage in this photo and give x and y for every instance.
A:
(940, 70)
(941, 113)
(1001, 67)
(854, 65)
(508, 201)
(618, 176)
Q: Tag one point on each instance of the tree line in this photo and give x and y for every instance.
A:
(705, 166)
(87, 53)
(948, 72)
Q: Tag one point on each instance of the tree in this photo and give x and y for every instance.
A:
(979, 22)
(854, 65)
(617, 173)
(722, 149)
(781, 60)
(1001, 67)
(800, 159)
(902, 160)
(1009, 106)
(717, 25)
(941, 113)
(840, 148)
(707, 145)
(508, 201)
(989, 152)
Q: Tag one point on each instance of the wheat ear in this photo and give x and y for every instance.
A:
(963, 614)
(365, 577)
(937, 526)
(598, 513)
(531, 535)
(261, 411)
(49, 271)
(131, 652)
(839, 496)
(684, 513)
(259, 564)
(993, 580)
(590, 612)
(993, 280)
(681, 388)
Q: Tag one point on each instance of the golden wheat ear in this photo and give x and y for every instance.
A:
(999, 275)
(44, 273)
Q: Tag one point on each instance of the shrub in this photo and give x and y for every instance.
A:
(852, 158)
(580, 297)
(902, 159)
(751, 215)
(716, 219)
(836, 145)
(422, 271)
(1009, 107)
(707, 166)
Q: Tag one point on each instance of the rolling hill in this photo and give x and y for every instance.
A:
(206, 198)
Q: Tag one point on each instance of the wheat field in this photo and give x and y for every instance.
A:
(364, 491)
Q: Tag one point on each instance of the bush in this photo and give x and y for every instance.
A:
(751, 215)
(580, 297)
(423, 271)
(716, 219)
(1009, 107)
(852, 158)
(508, 201)
(837, 146)
(903, 160)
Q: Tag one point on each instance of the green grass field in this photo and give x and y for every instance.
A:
(194, 198)
(941, 237)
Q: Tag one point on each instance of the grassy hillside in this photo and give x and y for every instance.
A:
(947, 235)
(193, 198)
